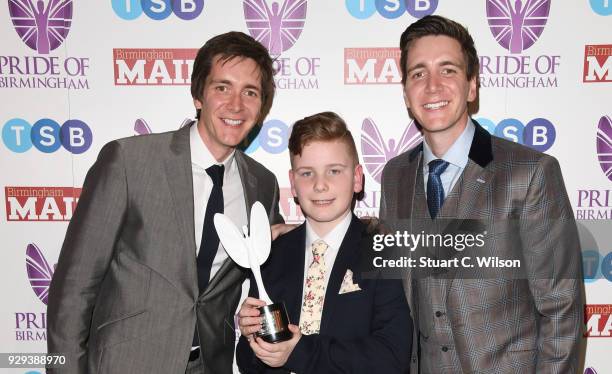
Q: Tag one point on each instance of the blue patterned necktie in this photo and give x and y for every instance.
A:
(435, 191)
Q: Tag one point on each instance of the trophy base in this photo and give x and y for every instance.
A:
(275, 326)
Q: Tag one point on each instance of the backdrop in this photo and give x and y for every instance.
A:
(77, 74)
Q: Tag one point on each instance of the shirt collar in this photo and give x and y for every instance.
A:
(458, 153)
(333, 238)
(200, 155)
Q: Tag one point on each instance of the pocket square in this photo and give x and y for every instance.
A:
(347, 283)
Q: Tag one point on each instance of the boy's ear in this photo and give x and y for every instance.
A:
(358, 179)
(292, 181)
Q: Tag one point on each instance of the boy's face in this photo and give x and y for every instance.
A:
(324, 178)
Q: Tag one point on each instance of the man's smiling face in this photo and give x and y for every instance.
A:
(230, 104)
(437, 90)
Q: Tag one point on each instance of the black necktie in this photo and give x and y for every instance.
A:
(210, 240)
(435, 191)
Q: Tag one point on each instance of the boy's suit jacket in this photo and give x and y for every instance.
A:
(367, 331)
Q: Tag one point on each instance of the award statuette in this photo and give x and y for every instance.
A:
(250, 250)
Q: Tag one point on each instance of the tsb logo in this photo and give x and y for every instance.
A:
(46, 135)
(158, 9)
(596, 266)
(273, 137)
(390, 9)
(601, 7)
(539, 133)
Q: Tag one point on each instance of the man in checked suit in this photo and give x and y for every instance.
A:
(465, 322)
(142, 284)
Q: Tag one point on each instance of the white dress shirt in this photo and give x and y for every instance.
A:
(234, 203)
(456, 156)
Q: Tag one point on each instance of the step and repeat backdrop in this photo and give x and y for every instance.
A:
(77, 74)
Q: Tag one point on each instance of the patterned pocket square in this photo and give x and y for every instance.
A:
(347, 283)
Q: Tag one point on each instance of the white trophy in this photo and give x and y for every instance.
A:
(250, 249)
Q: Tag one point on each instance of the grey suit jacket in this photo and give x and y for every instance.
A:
(506, 325)
(124, 297)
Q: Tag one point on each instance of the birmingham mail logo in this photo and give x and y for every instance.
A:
(39, 272)
(597, 63)
(371, 66)
(517, 27)
(278, 26)
(153, 66)
(40, 203)
(604, 145)
(41, 27)
(376, 152)
(598, 320)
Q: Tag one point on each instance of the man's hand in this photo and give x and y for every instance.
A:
(249, 320)
(280, 229)
(275, 355)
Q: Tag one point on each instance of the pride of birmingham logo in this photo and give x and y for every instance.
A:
(517, 27)
(278, 26)
(376, 152)
(39, 272)
(42, 28)
(604, 145)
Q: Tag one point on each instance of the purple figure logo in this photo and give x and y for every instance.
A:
(604, 145)
(39, 272)
(517, 27)
(277, 27)
(42, 28)
(375, 152)
(141, 127)
(589, 371)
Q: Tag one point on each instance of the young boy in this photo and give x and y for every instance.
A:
(341, 322)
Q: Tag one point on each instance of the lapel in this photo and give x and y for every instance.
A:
(293, 268)
(248, 180)
(347, 257)
(476, 175)
(180, 181)
(406, 183)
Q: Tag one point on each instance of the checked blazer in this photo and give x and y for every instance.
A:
(529, 324)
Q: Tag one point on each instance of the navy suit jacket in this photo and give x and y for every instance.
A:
(367, 331)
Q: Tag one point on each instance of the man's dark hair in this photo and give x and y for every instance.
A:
(228, 46)
(437, 25)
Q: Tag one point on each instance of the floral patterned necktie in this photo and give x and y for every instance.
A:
(314, 291)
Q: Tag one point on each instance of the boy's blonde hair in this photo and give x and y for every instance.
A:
(321, 127)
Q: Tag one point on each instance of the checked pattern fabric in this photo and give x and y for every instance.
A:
(435, 191)
(314, 291)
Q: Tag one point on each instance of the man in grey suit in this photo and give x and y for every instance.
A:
(470, 320)
(142, 284)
